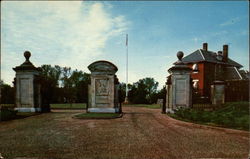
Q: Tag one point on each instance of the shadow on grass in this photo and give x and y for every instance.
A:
(18, 115)
(98, 116)
(150, 106)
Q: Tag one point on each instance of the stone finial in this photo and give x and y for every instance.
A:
(27, 55)
(180, 54)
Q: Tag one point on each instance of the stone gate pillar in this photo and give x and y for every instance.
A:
(218, 93)
(104, 88)
(179, 92)
(27, 86)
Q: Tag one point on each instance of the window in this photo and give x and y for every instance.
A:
(195, 68)
(195, 83)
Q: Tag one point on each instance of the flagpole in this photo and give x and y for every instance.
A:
(126, 98)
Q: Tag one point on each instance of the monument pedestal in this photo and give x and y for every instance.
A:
(103, 110)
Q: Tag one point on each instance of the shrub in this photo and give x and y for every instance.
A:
(7, 114)
(234, 115)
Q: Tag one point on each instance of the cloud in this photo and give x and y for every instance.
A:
(196, 39)
(64, 33)
(219, 33)
(156, 57)
(244, 32)
(230, 22)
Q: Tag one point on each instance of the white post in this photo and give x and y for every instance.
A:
(126, 98)
(1, 82)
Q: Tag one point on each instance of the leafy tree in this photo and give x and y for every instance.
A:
(68, 90)
(52, 73)
(50, 81)
(151, 87)
(79, 84)
(73, 84)
(122, 92)
(7, 93)
(143, 91)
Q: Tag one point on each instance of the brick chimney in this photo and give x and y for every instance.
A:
(225, 53)
(205, 46)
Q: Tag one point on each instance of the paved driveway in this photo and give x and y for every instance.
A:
(140, 133)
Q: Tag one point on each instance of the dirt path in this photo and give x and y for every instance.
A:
(140, 133)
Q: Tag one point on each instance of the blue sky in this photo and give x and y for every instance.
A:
(75, 34)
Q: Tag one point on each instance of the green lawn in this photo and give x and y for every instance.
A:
(68, 106)
(83, 105)
(8, 114)
(97, 115)
(7, 105)
(152, 106)
(231, 115)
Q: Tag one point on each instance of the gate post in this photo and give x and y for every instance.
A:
(218, 93)
(179, 92)
(27, 86)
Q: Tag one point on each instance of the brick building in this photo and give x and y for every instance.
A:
(209, 66)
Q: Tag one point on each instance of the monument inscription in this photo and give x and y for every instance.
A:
(181, 92)
(25, 87)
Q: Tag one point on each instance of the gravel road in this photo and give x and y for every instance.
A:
(140, 134)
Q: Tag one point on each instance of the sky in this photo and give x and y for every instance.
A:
(77, 33)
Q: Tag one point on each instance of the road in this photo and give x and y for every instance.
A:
(140, 133)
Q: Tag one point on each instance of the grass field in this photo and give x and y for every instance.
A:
(97, 115)
(151, 106)
(69, 106)
(83, 106)
(7, 105)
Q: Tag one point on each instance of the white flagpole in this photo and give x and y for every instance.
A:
(126, 99)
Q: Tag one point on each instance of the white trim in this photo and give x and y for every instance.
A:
(169, 110)
(28, 109)
(202, 54)
(195, 80)
(238, 73)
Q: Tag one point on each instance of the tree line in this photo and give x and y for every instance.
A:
(64, 85)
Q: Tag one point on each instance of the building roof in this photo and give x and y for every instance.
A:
(244, 74)
(201, 55)
(232, 73)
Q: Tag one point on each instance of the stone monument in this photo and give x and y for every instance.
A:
(104, 88)
(27, 86)
(179, 92)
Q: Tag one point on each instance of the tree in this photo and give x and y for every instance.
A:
(73, 84)
(79, 84)
(122, 92)
(151, 87)
(7, 94)
(67, 84)
(143, 91)
(49, 80)
(52, 73)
